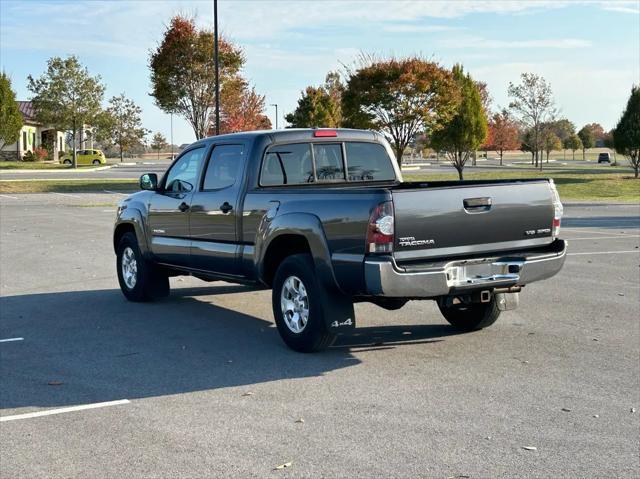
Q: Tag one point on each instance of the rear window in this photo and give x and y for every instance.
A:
(329, 164)
(368, 162)
(294, 163)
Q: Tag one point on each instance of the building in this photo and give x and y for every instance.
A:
(33, 134)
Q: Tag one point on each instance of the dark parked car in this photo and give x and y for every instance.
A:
(604, 158)
(324, 218)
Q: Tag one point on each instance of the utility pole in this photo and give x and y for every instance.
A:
(276, 105)
(171, 136)
(215, 48)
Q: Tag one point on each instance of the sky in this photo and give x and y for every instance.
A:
(589, 51)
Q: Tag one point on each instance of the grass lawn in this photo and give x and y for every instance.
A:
(67, 186)
(574, 186)
(36, 165)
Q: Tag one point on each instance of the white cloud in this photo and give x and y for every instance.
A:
(479, 42)
(413, 28)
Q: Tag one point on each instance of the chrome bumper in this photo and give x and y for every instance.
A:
(384, 277)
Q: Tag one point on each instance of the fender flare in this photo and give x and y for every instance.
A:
(133, 216)
(338, 307)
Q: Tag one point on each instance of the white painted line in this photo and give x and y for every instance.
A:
(115, 192)
(584, 230)
(8, 340)
(66, 194)
(601, 238)
(51, 412)
(605, 252)
(9, 196)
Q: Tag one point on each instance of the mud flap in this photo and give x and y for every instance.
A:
(339, 314)
(507, 301)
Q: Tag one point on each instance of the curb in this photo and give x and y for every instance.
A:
(60, 170)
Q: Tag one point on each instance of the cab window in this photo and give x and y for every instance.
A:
(287, 165)
(224, 167)
(184, 173)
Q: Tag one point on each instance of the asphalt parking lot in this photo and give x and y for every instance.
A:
(200, 385)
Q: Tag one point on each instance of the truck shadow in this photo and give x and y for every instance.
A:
(92, 346)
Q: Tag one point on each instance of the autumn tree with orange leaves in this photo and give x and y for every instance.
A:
(503, 133)
(183, 79)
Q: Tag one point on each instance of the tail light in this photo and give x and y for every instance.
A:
(380, 230)
(557, 209)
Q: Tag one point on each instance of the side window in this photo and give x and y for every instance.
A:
(368, 162)
(287, 165)
(224, 166)
(329, 165)
(183, 174)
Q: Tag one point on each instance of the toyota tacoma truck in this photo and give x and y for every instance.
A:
(324, 219)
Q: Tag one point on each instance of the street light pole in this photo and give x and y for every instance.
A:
(276, 105)
(215, 48)
(171, 136)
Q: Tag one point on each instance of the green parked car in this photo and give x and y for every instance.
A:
(85, 157)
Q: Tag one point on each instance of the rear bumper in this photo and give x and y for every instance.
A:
(384, 277)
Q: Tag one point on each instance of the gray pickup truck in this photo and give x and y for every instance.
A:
(324, 219)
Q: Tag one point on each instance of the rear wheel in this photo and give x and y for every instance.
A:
(66, 162)
(469, 316)
(297, 305)
(140, 279)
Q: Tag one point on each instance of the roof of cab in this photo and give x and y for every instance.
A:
(297, 134)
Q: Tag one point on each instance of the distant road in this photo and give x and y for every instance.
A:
(116, 172)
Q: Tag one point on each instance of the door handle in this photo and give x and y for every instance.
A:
(183, 207)
(477, 204)
(225, 207)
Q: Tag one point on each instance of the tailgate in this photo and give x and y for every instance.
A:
(436, 221)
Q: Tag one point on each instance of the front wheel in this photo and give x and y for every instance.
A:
(469, 316)
(66, 162)
(96, 162)
(297, 305)
(140, 280)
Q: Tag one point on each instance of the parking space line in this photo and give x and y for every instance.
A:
(115, 193)
(605, 252)
(586, 230)
(8, 340)
(601, 237)
(10, 197)
(51, 412)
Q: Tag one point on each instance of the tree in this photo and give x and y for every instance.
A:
(596, 130)
(120, 124)
(503, 133)
(401, 97)
(550, 142)
(626, 135)
(10, 116)
(526, 141)
(573, 143)
(587, 138)
(66, 97)
(534, 105)
(467, 130)
(243, 109)
(319, 107)
(158, 142)
(182, 72)
(563, 129)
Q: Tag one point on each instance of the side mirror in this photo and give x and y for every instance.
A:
(149, 181)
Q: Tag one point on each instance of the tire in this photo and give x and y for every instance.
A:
(313, 334)
(66, 162)
(470, 317)
(148, 282)
(96, 162)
